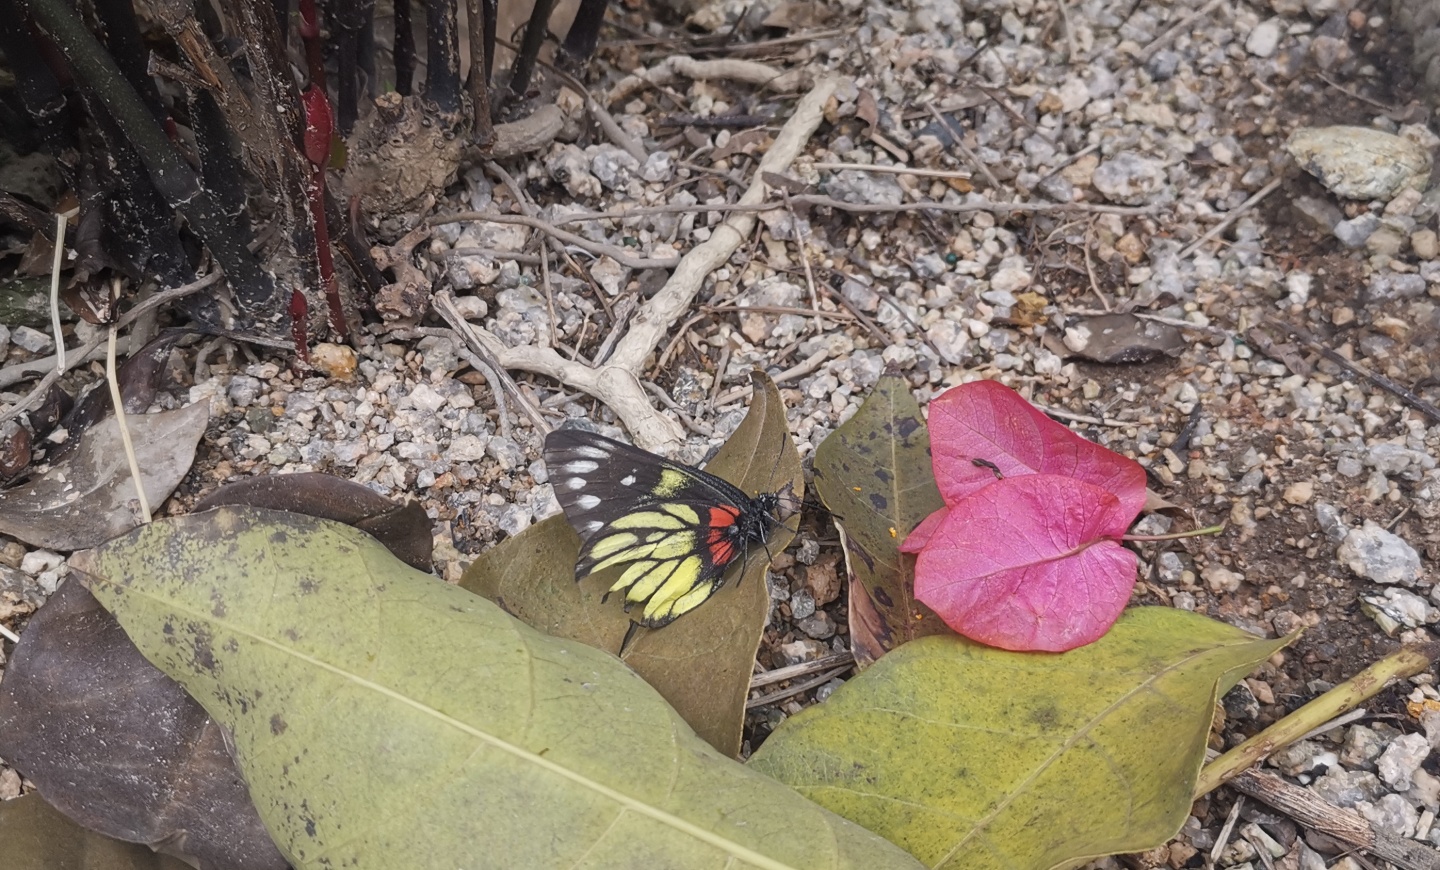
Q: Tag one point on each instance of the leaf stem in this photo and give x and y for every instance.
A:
(1349, 694)
(1175, 536)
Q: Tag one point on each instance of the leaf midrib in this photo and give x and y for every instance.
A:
(625, 802)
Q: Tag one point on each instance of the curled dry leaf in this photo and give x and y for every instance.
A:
(404, 529)
(89, 497)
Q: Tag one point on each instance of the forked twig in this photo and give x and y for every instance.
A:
(617, 382)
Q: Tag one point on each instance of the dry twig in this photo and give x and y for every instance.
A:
(75, 356)
(726, 69)
(1384, 383)
(617, 382)
(1231, 217)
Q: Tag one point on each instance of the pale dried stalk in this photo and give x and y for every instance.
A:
(617, 383)
(723, 69)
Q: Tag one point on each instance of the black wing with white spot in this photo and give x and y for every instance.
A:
(670, 529)
(599, 479)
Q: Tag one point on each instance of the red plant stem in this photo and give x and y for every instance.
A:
(314, 51)
(319, 127)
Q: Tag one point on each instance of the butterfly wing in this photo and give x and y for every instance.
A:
(673, 529)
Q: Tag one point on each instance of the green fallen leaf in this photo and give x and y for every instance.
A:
(874, 473)
(975, 757)
(385, 719)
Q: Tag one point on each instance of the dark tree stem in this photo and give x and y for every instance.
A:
(584, 34)
(40, 91)
(122, 37)
(491, 17)
(404, 49)
(349, 18)
(529, 53)
(442, 40)
(481, 48)
(282, 120)
(220, 170)
(171, 175)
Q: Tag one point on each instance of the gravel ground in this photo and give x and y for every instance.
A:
(1254, 394)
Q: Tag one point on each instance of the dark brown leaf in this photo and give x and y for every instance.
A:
(404, 529)
(118, 746)
(1122, 338)
(874, 473)
(140, 377)
(702, 662)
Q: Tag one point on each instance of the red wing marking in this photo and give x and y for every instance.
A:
(722, 516)
(719, 540)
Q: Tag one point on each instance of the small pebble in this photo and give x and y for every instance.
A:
(32, 340)
(335, 360)
(1299, 492)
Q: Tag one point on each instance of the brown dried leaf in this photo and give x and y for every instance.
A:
(89, 497)
(118, 746)
(404, 529)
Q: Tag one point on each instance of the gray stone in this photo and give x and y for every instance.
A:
(32, 340)
(802, 604)
(467, 448)
(1360, 162)
(613, 166)
(1376, 554)
(243, 390)
(1362, 746)
(803, 650)
(1130, 178)
(1346, 788)
(819, 626)
(506, 452)
(1354, 232)
(1328, 516)
(349, 453)
(1163, 64)
(1264, 39)
(1391, 814)
(425, 399)
(1397, 285)
(514, 519)
(659, 166)
(1401, 759)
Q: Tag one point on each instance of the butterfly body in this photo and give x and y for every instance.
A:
(672, 530)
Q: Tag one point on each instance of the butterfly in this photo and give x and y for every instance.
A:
(673, 528)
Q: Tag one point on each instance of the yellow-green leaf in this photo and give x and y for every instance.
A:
(385, 719)
(975, 757)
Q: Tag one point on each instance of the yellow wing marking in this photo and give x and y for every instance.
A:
(625, 547)
(683, 577)
(671, 482)
(684, 512)
(610, 545)
(649, 520)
